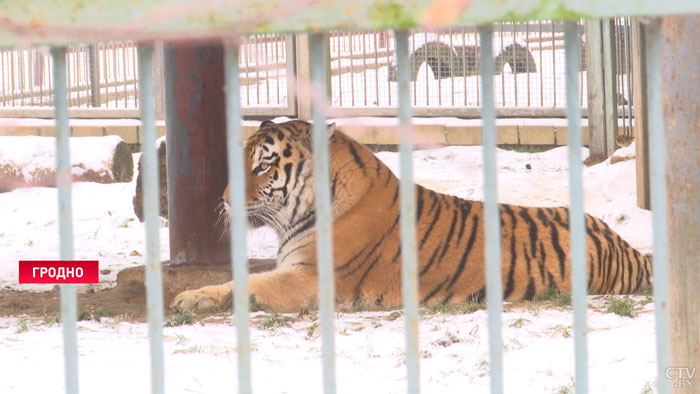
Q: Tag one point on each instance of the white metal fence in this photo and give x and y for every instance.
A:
(444, 65)
(102, 75)
(324, 222)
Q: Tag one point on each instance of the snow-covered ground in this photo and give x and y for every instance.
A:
(201, 358)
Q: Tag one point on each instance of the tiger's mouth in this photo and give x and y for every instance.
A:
(256, 221)
(255, 217)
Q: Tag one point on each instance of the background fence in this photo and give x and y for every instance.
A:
(529, 73)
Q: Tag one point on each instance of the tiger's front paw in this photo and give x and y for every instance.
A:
(192, 301)
(200, 299)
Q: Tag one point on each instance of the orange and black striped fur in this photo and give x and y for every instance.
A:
(367, 257)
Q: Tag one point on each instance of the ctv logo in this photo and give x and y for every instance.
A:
(682, 376)
(59, 271)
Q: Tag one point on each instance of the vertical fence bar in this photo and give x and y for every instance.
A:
(290, 46)
(554, 66)
(266, 59)
(236, 178)
(375, 35)
(154, 285)
(324, 225)
(577, 225)
(581, 60)
(413, 67)
(427, 72)
(124, 74)
(409, 258)
(73, 58)
(65, 217)
(351, 40)
(276, 57)
(628, 66)
(388, 60)
(527, 62)
(105, 70)
(514, 69)
(4, 80)
(21, 76)
(30, 67)
(500, 65)
(494, 289)
(465, 66)
(439, 70)
(247, 44)
(541, 63)
(454, 73)
(363, 37)
(40, 67)
(134, 57)
(477, 38)
(657, 160)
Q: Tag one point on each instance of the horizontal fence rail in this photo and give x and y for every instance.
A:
(319, 80)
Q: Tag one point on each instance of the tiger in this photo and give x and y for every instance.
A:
(535, 246)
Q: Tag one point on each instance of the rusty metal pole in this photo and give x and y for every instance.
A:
(681, 106)
(196, 146)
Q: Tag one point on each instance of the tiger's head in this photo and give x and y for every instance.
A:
(278, 171)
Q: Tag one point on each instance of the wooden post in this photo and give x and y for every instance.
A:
(196, 151)
(600, 76)
(641, 122)
(681, 105)
(94, 71)
(609, 84)
(303, 77)
(303, 73)
(159, 80)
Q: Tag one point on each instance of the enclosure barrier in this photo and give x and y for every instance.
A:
(324, 222)
(151, 199)
(361, 67)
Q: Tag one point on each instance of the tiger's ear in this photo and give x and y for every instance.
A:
(331, 129)
(267, 123)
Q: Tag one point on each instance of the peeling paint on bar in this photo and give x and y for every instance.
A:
(657, 176)
(235, 142)
(577, 224)
(324, 220)
(492, 224)
(65, 218)
(409, 258)
(151, 202)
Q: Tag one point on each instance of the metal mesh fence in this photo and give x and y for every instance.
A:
(265, 63)
(101, 75)
(444, 66)
(105, 75)
(529, 60)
